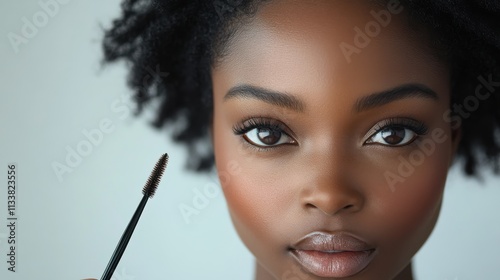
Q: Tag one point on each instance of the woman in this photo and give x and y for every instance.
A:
(333, 123)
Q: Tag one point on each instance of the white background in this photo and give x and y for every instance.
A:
(53, 88)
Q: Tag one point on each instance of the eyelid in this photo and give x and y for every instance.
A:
(407, 122)
(251, 123)
(258, 121)
(262, 147)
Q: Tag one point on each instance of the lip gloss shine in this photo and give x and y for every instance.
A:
(333, 264)
(332, 255)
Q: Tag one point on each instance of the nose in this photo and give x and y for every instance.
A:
(332, 200)
(332, 188)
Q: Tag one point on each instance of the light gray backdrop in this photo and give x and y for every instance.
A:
(54, 94)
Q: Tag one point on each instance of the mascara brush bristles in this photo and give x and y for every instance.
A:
(154, 179)
(148, 191)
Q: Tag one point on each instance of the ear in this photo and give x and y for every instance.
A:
(456, 137)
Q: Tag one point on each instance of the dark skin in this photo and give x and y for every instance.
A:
(322, 172)
(323, 164)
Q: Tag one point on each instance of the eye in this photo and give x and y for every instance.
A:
(393, 136)
(397, 133)
(263, 133)
(266, 137)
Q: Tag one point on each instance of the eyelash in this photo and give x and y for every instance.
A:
(247, 125)
(260, 122)
(412, 124)
(417, 127)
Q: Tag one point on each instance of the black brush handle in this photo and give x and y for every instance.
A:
(122, 244)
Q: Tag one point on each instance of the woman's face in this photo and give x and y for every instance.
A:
(331, 146)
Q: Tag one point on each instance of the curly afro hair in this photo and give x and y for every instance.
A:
(186, 38)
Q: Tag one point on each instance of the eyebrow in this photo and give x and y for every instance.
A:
(280, 99)
(285, 100)
(397, 93)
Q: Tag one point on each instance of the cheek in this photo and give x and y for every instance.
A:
(412, 206)
(253, 191)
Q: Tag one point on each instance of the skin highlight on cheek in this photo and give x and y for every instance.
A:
(248, 200)
(414, 208)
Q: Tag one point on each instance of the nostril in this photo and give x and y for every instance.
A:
(310, 205)
(330, 209)
(332, 201)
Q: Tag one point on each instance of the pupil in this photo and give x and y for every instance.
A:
(393, 135)
(268, 136)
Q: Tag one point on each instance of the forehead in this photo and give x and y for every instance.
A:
(318, 45)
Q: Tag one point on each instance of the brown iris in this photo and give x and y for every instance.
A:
(393, 135)
(268, 136)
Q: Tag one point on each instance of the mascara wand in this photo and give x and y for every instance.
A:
(148, 191)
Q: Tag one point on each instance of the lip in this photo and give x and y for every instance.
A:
(332, 255)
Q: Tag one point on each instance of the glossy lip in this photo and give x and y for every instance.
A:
(332, 254)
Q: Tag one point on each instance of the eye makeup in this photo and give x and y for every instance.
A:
(402, 130)
(416, 127)
(266, 129)
(256, 122)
